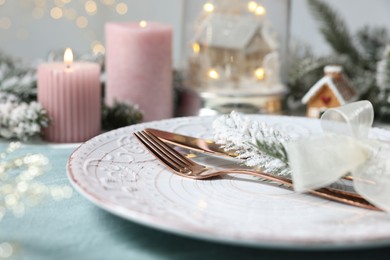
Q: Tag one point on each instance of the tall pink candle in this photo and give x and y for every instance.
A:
(139, 67)
(71, 95)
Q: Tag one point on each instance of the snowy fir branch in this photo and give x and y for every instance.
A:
(256, 143)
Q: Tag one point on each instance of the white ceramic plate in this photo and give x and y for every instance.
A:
(117, 174)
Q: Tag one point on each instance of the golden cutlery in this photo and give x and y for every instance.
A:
(191, 143)
(185, 167)
(206, 146)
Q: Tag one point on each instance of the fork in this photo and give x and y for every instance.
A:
(182, 166)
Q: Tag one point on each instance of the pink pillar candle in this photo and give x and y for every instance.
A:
(72, 97)
(139, 67)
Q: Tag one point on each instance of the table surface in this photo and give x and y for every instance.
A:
(76, 229)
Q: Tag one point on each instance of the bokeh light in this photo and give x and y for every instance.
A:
(196, 47)
(121, 8)
(213, 74)
(143, 24)
(208, 7)
(56, 13)
(82, 22)
(97, 47)
(90, 7)
(6, 250)
(260, 10)
(252, 5)
(259, 73)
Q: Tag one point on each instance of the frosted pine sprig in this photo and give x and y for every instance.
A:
(256, 143)
(20, 120)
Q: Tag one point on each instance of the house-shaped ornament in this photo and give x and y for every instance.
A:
(333, 90)
(233, 47)
(234, 61)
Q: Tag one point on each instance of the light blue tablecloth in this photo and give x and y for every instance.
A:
(76, 229)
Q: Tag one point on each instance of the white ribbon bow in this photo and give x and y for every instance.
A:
(344, 147)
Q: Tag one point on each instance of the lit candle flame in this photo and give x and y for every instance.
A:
(260, 73)
(143, 24)
(213, 74)
(68, 57)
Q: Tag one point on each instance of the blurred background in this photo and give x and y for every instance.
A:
(310, 34)
(29, 29)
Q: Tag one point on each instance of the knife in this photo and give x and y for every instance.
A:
(191, 143)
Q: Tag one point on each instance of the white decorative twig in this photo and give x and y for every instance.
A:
(256, 143)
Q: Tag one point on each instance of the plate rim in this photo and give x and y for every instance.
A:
(182, 230)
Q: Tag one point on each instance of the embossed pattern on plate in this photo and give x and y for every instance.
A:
(117, 174)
